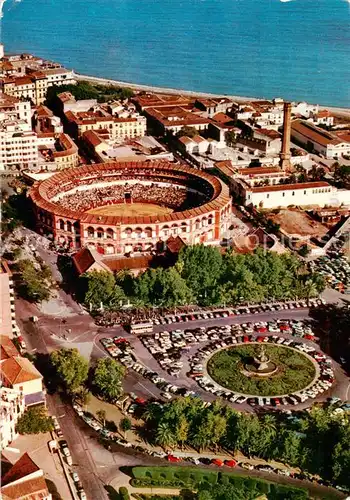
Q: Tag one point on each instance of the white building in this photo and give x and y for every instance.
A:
(318, 140)
(100, 118)
(310, 193)
(11, 408)
(323, 117)
(18, 148)
(304, 109)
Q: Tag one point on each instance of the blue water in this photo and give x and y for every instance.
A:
(297, 50)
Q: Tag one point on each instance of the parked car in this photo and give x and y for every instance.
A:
(217, 461)
(230, 463)
(172, 458)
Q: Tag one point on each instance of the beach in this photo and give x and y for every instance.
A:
(342, 112)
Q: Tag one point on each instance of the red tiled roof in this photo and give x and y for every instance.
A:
(135, 263)
(323, 114)
(44, 111)
(20, 469)
(344, 135)
(260, 171)
(226, 167)
(8, 348)
(289, 187)
(83, 260)
(222, 118)
(30, 489)
(172, 116)
(273, 134)
(315, 134)
(174, 245)
(17, 484)
(17, 370)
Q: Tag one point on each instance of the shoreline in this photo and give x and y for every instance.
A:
(340, 111)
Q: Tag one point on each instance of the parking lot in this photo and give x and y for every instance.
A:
(335, 266)
(174, 362)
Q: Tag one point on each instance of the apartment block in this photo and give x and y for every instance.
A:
(12, 408)
(7, 302)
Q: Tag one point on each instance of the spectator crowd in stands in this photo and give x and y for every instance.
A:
(176, 197)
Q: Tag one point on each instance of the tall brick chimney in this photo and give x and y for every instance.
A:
(285, 153)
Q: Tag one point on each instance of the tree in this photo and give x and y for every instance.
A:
(187, 131)
(71, 368)
(342, 175)
(34, 421)
(230, 138)
(201, 268)
(100, 288)
(108, 377)
(182, 430)
(310, 290)
(162, 287)
(317, 173)
(83, 396)
(31, 282)
(101, 415)
(125, 425)
(165, 436)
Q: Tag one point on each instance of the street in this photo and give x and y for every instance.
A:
(95, 465)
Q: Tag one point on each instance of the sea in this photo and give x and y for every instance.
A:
(296, 49)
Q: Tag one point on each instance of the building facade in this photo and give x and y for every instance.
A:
(319, 194)
(321, 141)
(7, 302)
(12, 408)
(34, 86)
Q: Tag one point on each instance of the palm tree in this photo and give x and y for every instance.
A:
(125, 425)
(83, 396)
(101, 415)
(165, 435)
(310, 290)
(269, 425)
(152, 413)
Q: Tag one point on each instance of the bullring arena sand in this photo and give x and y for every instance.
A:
(130, 210)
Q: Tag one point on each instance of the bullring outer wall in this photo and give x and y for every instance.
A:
(110, 235)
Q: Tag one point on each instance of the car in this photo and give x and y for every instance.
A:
(194, 460)
(56, 425)
(82, 495)
(230, 463)
(75, 477)
(166, 395)
(246, 465)
(172, 458)
(217, 461)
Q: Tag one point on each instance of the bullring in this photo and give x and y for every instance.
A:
(73, 207)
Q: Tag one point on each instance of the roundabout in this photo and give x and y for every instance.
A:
(255, 370)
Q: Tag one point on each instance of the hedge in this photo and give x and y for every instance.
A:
(190, 477)
(123, 493)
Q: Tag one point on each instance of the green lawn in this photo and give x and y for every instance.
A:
(296, 371)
